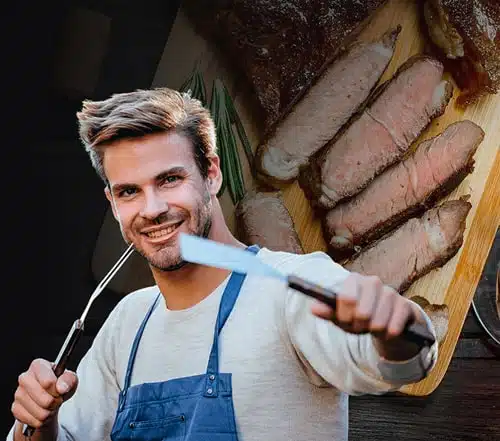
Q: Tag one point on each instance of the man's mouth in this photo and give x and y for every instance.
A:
(163, 233)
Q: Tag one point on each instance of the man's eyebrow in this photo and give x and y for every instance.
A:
(178, 170)
(116, 188)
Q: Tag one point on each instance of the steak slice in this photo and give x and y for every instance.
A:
(404, 190)
(397, 114)
(466, 34)
(262, 218)
(416, 247)
(325, 108)
(280, 46)
(439, 314)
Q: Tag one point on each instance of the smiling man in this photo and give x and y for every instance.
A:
(154, 207)
(205, 354)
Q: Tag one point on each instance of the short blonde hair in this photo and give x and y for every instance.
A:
(142, 112)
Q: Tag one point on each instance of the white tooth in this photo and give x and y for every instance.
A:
(163, 232)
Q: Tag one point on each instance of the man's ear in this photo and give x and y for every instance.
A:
(109, 197)
(214, 175)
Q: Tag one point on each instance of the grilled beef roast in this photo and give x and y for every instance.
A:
(324, 109)
(280, 46)
(263, 219)
(438, 314)
(416, 247)
(466, 34)
(396, 115)
(404, 190)
(440, 318)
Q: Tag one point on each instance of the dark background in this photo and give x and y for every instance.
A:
(53, 201)
(53, 209)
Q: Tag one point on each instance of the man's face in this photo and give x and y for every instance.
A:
(156, 191)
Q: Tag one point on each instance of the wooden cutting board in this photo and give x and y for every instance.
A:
(454, 284)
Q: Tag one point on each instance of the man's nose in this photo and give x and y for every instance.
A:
(154, 206)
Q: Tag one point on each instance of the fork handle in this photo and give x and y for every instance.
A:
(61, 360)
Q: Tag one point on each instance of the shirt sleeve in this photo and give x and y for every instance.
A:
(349, 362)
(89, 414)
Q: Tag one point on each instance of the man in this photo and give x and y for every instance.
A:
(204, 354)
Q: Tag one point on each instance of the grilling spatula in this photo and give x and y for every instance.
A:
(202, 251)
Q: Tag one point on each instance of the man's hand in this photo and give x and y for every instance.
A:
(39, 395)
(365, 304)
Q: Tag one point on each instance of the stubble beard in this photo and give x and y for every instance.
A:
(168, 259)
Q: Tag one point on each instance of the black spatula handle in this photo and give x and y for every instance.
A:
(415, 332)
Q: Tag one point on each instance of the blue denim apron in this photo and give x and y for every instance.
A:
(197, 408)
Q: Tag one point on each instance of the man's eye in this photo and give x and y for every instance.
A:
(127, 192)
(171, 179)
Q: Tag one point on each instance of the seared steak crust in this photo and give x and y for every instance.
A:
(416, 247)
(280, 46)
(467, 36)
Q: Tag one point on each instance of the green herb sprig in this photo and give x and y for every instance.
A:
(195, 86)
(225, 118)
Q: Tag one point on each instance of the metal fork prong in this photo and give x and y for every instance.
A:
(116, 267)
(105, 280)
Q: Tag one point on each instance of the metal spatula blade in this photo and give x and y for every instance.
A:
(195, 249)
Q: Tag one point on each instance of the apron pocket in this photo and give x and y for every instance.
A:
(158, 428)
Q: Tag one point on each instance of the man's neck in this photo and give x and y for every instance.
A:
(192, 283)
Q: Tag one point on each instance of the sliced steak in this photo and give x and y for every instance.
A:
(325, 108)
(466, 34)
(280, 46)
(397, 114)
(404, 190)
(439, 315)
(416, 247)
(263, 219)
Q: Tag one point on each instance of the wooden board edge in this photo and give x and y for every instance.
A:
(466, 278)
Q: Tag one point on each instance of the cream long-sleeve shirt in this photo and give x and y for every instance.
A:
(291, 371)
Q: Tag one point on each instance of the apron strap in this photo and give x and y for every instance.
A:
(227, 302)
(133, 351)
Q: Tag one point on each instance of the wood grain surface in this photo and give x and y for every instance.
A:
(453, 284)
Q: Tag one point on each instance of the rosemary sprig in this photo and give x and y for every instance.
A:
(225, 116)
(214, 110)
(195, 86)
(228, 150)
(235, 119)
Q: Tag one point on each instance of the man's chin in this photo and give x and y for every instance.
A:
(167, 262)
(167, 265)
(162, 263)
(174, 267)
